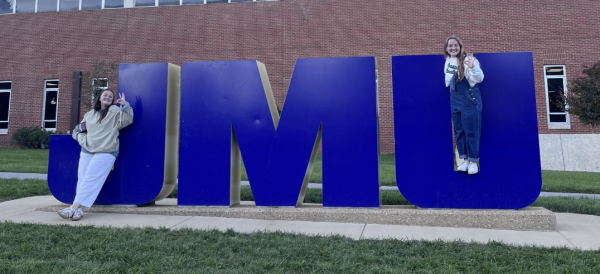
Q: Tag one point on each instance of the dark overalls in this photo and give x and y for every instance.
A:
(465, 102)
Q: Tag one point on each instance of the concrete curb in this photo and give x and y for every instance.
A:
(531, 218)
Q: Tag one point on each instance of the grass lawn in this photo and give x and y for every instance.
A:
(36, 161)
(26, 248)
(573, 182)
(569, 205)
(11, 189)
(23, 160)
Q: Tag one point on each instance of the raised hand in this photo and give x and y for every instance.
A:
(121, 99)
(470, 61)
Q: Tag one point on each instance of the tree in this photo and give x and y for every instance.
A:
(94, 81)
(583, 99)
(5, 6)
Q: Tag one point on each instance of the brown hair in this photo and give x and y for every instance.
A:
(461, 55)
(98, 104)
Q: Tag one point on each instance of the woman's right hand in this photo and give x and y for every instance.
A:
(470, 62)
(121, 99)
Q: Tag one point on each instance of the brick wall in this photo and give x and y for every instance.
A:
(49, 45)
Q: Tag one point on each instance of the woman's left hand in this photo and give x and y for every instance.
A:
(471, 61)
(121, 99)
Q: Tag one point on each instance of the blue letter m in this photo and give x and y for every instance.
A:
(228, 107)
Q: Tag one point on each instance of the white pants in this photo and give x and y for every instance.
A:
(92, 173)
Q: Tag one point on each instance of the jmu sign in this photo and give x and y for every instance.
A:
(195, 122)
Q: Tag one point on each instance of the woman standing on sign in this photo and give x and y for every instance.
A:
(463, 73)
(98, 135)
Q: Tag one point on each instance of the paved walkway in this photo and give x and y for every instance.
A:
(9, 175)
(310, 185)
(572, 230)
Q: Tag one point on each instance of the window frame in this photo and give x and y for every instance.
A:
(156, 4)
(15, 7)
(556, 125)
(36, 6)
(44, 104)
(35, 9)
(13, 4)
(100, 78)
(9, 91)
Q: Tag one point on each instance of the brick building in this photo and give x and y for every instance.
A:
(42, 46)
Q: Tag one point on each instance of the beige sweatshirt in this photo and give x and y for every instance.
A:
(104, 137)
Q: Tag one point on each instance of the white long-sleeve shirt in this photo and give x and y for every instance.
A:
(474, 76)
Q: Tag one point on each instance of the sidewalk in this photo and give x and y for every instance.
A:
(9, 175)
(310, 185)
(573, 230)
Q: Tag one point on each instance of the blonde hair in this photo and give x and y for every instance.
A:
(461, 55)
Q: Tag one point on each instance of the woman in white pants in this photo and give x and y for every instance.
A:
(98, 135)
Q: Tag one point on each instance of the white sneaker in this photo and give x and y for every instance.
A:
(464, 164)
(66, 213)
(473, 169)
(77, 215)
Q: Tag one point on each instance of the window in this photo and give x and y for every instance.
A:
(100, 83)
(111, 4)
(145, 3)
(168, 2)
(6, 6)
(66, 5)
(5, 87)
(151, 3)
(556, 89)
(46, 5)
(192, 2)
(25, 6)
(32, 6)
(92, 4)
(50, 104)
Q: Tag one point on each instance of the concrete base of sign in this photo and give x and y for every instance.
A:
(530, 218)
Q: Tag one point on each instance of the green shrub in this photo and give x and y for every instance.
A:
(32, 137)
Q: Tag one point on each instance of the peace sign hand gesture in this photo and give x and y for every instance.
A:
(470, 61)
(121, 99)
